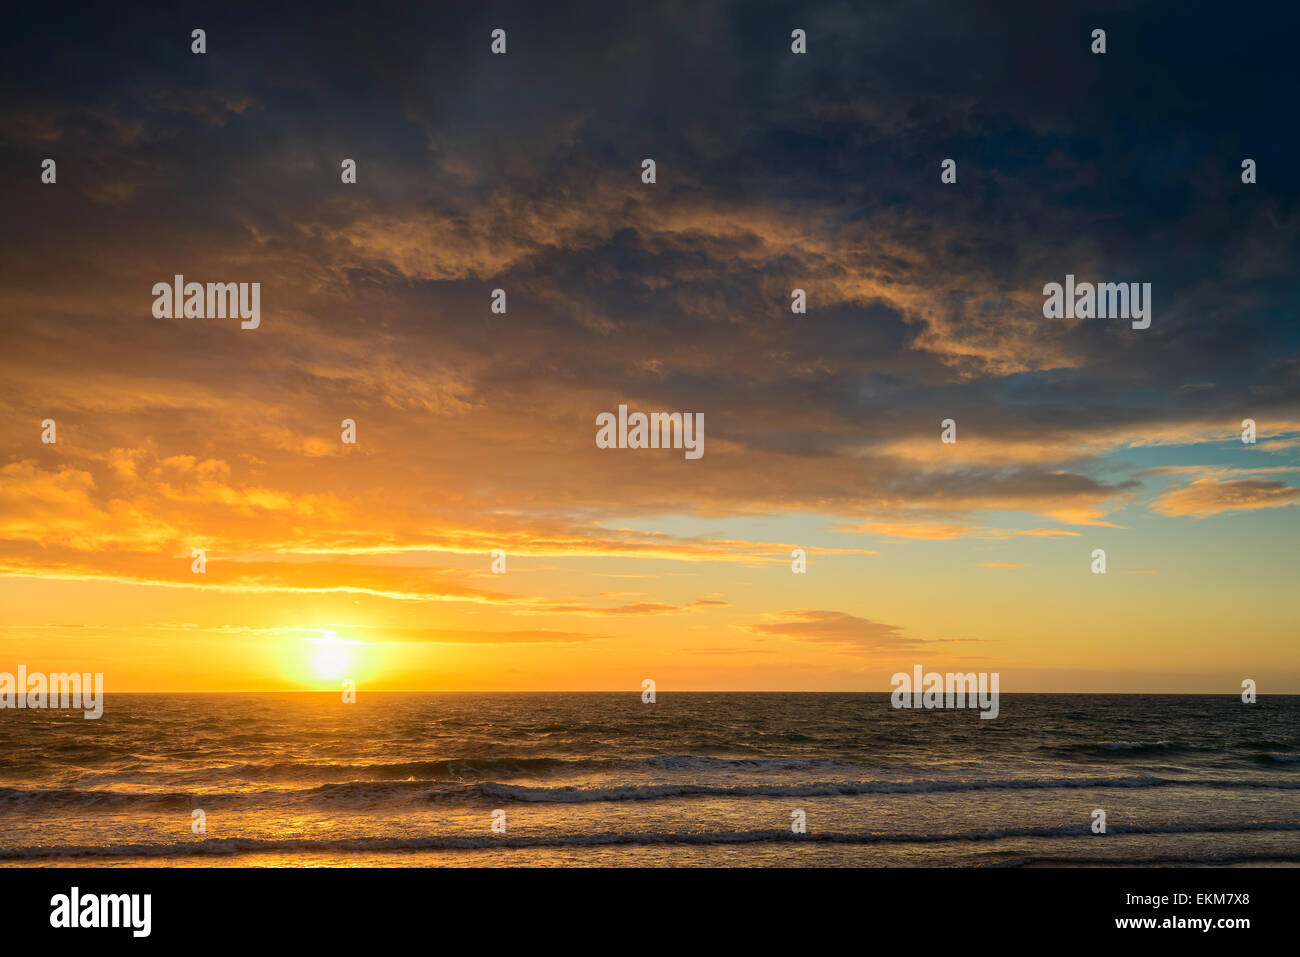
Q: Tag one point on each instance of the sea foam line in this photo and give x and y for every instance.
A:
(248, 845)
(363, 794)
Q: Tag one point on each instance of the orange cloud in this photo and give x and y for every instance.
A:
(1208, 496)
(841, 629)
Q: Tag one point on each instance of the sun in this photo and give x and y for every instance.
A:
(332, 657)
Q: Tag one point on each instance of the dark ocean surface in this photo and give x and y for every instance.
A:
(693, 779)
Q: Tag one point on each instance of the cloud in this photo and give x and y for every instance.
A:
(842, 630)
(1208, 496)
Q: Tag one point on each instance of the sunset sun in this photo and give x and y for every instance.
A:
(331, 656)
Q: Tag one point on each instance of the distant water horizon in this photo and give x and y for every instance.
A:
(694, 779)
(1234, 696)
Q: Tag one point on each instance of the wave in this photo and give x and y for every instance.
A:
(250, 845)
(490, 769)
(350, 794)
(1223, 860)
(1265, 744)
(462, 769)
(695, 762)
(1123, 748)
(448, 769)
(368, 794)
(649, 792)
(73, 798)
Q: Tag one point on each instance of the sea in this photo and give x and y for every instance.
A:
(689, 780)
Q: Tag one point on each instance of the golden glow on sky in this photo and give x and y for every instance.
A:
(331, 561)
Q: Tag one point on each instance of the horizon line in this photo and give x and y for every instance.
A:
(637, 692)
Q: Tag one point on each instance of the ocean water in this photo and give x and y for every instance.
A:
(695, 779)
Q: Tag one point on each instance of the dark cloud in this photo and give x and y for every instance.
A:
(775, 171)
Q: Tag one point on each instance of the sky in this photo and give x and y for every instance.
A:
(372, 561)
